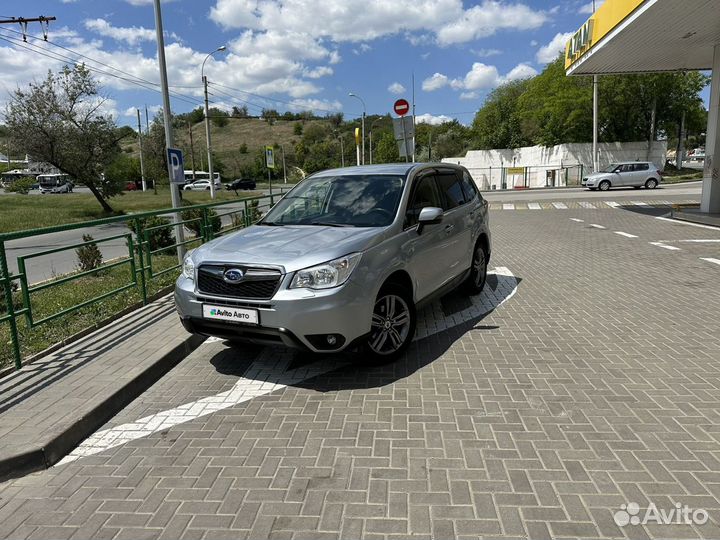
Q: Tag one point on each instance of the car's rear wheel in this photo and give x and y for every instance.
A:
(604, 185)
(651, 183)
(392, 325)
(475, 282)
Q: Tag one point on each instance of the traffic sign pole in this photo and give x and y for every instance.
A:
(174, 191)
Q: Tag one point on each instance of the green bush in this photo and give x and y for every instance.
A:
(21, 185)
(159, 238)
(89, 256)
(16, 301)
(197, 214)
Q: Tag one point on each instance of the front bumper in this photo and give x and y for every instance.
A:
(299, 318)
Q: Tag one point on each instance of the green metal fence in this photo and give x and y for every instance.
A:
(139, 261)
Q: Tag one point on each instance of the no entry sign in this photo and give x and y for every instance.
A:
(401, 107)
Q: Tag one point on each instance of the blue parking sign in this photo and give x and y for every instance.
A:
(176, 165)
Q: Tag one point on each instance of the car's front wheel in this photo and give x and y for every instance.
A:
(604, 185)
(392, 326)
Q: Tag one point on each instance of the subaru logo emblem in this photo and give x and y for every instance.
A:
(233, 275)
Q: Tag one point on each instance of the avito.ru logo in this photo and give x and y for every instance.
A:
(629, 514)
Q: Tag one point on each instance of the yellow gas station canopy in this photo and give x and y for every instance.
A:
(636, 36)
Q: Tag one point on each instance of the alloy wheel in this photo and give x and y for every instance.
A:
(390, 325)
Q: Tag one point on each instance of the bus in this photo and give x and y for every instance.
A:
(200, 175)
(55, 183)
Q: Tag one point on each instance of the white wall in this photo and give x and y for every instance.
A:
(485, 165)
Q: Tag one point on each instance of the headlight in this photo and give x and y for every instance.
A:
(327, 275)
(188, 266)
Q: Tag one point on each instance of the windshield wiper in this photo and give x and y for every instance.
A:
(327, 224)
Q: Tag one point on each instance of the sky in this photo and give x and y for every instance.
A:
(293, 54)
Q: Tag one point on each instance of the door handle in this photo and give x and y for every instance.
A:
(449, 228)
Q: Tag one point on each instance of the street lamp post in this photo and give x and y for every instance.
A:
(363, 124)
(207, 121)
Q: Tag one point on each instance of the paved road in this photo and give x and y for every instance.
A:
(595, 384)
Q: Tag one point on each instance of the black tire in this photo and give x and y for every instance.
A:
(475, 282)
(636, 187)
(392, 324)
(651, 183)
(604, 185)
(207, 189)
(592, 188)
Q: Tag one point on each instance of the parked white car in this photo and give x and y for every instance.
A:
(201, 185)
(629, 174)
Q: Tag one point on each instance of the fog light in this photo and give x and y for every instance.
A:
(331, 339)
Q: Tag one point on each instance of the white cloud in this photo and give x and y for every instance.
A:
(343, 21)
(436, 82)
(480, 77)
(485, 53)
(315, 105)
(486, 19)
(521, 71)
(431, 119)
(396, 88)
(132, 35)
(145, 2)
(587, 9)
(548, 53)
(317, 72)
(469, 95)
(364, 47)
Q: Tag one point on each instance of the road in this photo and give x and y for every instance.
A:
(583, 379)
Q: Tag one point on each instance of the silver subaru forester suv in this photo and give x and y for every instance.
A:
(342, 260)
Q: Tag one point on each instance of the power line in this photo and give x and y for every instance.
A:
(132, 79)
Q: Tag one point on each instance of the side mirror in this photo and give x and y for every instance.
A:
(429, 216)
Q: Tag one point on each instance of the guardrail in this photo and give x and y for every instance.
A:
(140, 262)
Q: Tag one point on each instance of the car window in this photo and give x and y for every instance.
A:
(425, 194)
(641, 167)
(451, 190)
(468, 185)
(626, 168)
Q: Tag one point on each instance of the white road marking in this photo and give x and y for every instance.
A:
(578, 220)
(596, 226)
(710, 260)
(612, 204)
(639, 203)
(534, 206)
(268, 373)
(585, 204)
(702, 240)
(560, 206)
(626, 235)
(660, 244)
(681, 222)
(508, 206)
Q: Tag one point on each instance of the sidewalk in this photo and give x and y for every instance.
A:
(51, 405)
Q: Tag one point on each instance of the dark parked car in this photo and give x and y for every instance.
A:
(241, 184)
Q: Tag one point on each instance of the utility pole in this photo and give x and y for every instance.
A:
(192, 151)
(596, 165)
(142, 163)
(413, 107)
(174, 191)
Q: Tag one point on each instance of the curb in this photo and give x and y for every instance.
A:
(49, 452)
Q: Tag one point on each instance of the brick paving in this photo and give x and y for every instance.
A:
(596, 385)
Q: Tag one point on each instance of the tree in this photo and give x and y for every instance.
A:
(386, 150)
(219, 117)
(124, 169)
(497, 124)
(240, 112)
(60, 121)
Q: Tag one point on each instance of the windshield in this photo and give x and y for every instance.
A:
(610, 168)
(350, 201)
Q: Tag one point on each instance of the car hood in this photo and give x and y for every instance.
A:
(291, 246)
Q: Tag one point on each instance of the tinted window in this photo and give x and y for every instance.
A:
(641, 167)
(468, 186)
(424, 194)
(451, 190)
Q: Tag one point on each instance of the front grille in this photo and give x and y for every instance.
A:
(259, 283)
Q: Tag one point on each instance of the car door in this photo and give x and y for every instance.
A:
(626, 175)
(425, 253)
(456, 222)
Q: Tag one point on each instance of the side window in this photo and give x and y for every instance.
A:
(424, 194)
(451, 190)
(626, 168)
(468, 185)
(641, 167)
